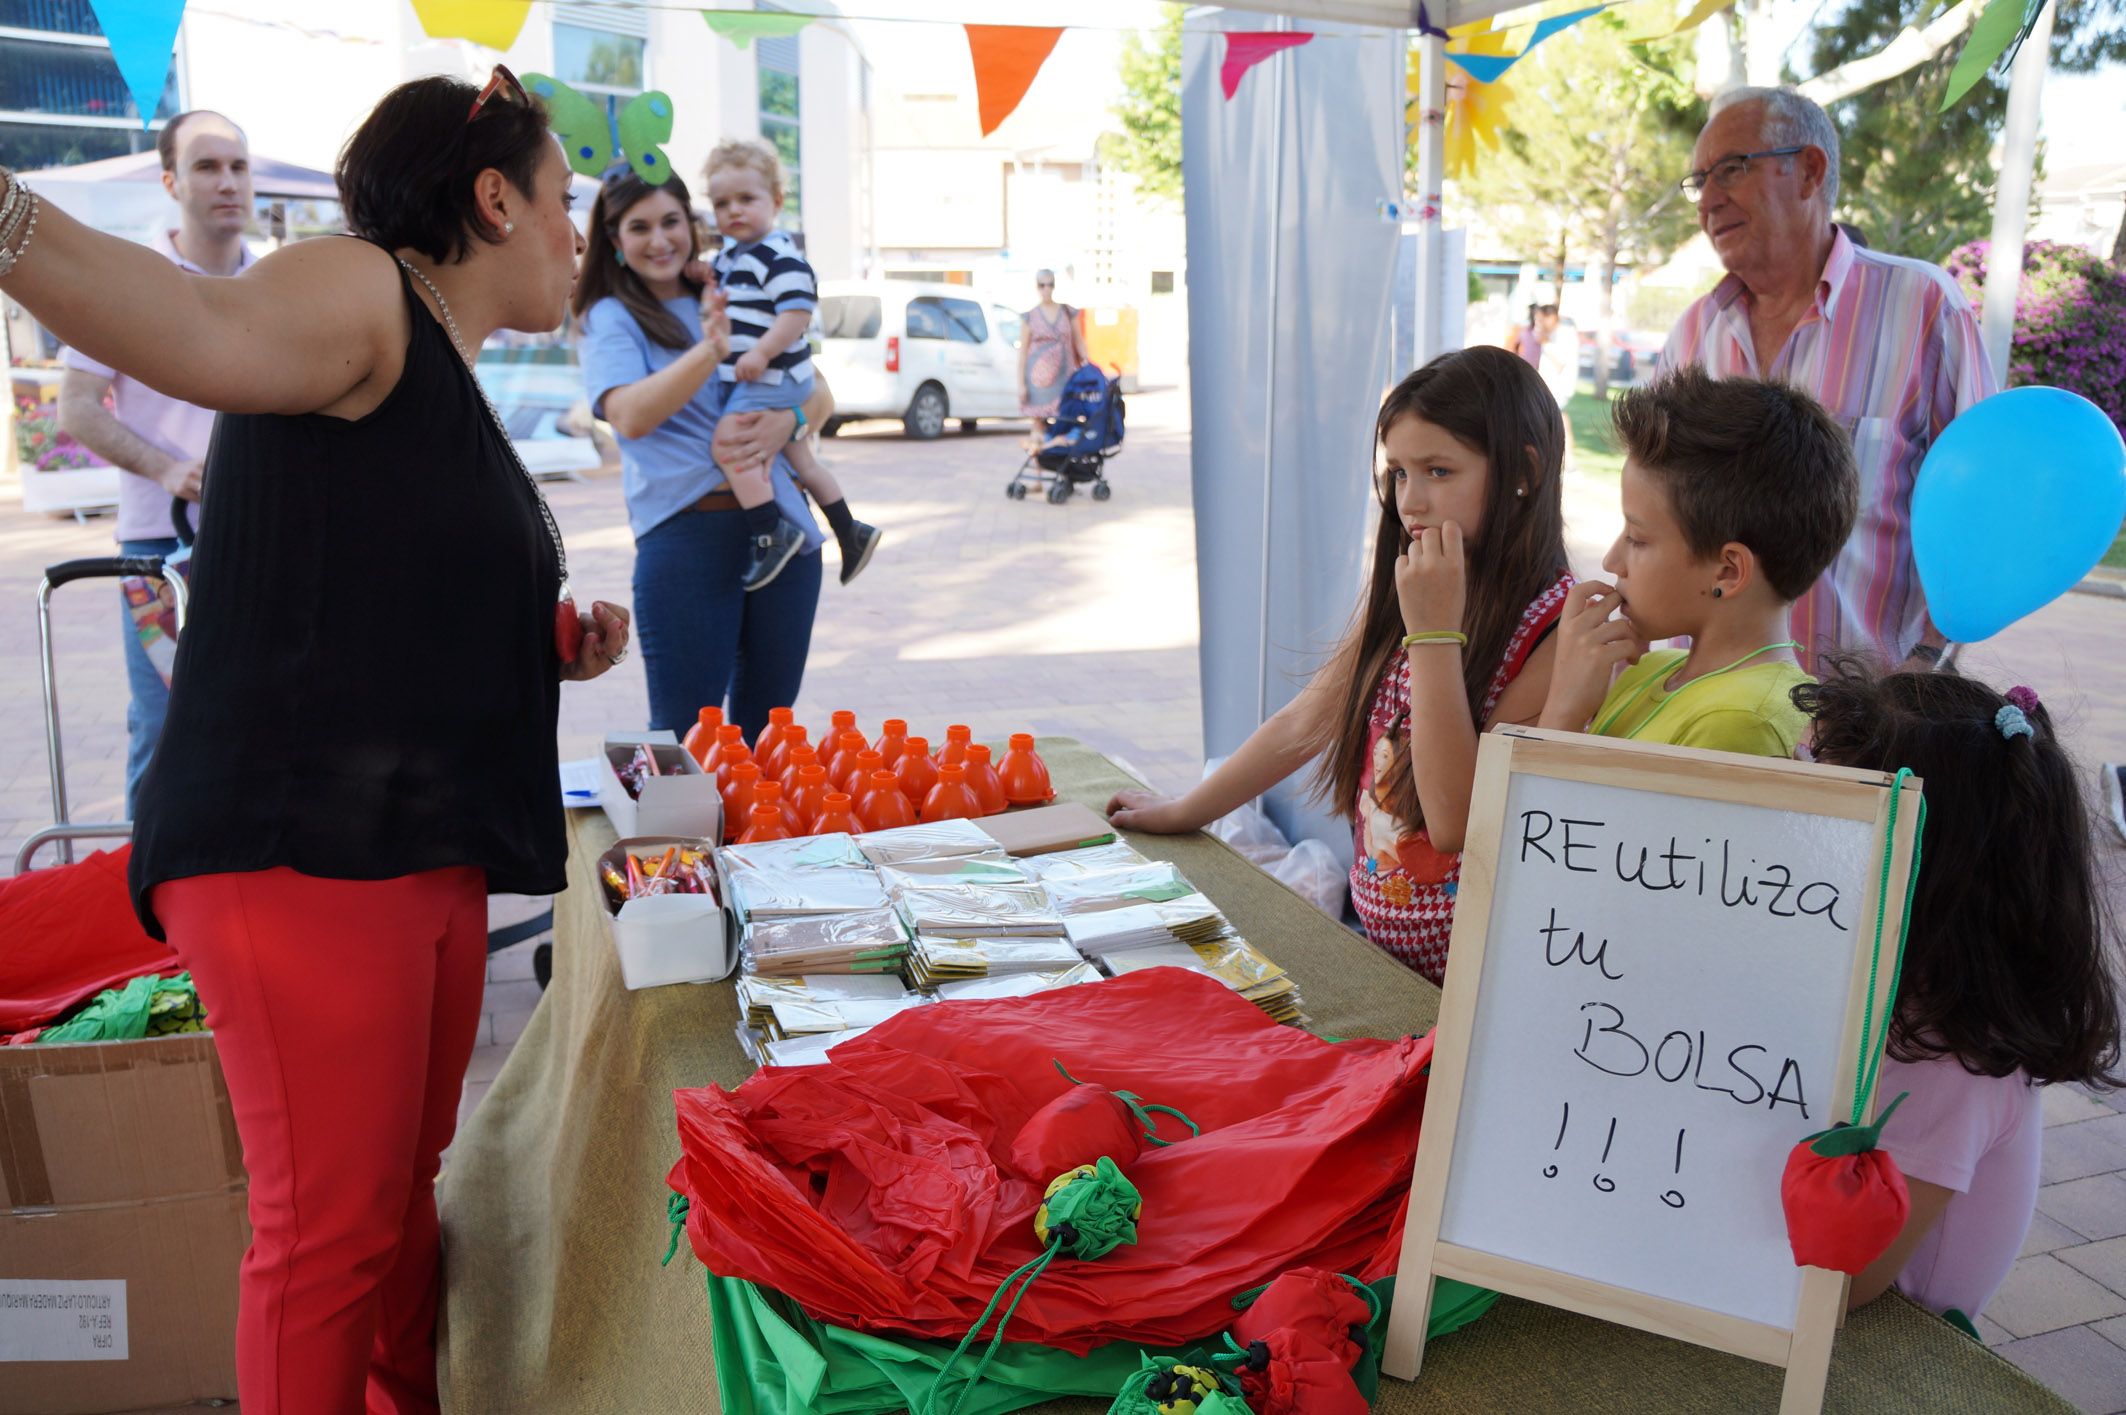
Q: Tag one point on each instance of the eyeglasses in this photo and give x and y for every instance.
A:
(502, 82)
(1730, 170)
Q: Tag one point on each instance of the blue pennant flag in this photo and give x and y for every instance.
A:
(143, 35)
(1486, 68)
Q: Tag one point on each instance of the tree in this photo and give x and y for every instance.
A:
(1597, 135)
(1150, 107)
(1915, 181)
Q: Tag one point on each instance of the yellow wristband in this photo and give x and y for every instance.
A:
(1437, 636)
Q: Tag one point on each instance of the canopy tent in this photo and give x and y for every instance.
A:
(125, 196)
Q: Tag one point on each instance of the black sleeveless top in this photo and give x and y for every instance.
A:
(367, 685)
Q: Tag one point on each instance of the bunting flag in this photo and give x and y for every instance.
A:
(2001, 29)
(1244, 49)
(1488, 67)
(143, 36)
(1006, 58)
(1699, 14)
(742, 27)
(493, 23)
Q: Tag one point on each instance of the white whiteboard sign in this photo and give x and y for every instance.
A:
(1663, 1000)
(1658, 984)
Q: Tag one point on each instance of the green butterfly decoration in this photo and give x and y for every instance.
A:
(595, 142)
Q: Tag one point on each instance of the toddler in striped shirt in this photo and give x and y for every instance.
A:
(771, 293)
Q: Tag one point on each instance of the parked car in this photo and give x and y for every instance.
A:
(924, 353)
(1632, 354)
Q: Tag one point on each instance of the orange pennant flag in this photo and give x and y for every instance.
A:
(1006, 58)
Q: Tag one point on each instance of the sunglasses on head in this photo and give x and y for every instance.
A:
(501, 82)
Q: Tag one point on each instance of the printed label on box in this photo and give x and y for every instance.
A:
(58, 1319)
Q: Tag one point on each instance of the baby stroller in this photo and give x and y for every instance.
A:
(1075, 446)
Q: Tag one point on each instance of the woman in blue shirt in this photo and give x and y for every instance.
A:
(649, 360)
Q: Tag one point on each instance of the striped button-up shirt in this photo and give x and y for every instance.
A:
(1891, 349)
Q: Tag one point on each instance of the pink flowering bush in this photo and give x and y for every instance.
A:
(2070, 320)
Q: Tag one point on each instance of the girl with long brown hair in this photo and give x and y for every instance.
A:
(1469, 575)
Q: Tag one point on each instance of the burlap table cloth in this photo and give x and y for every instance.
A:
(553, 1200)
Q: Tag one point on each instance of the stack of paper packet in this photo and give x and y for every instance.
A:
(779, 1009)
(782, 879)
(1230, 959)
(1192, 918)
(935, 960)
(873, 941)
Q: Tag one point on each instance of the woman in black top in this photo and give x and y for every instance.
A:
(361, 733)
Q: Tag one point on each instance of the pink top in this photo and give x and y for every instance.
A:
(1980, 1136)
(1892, 351)
(179, 429)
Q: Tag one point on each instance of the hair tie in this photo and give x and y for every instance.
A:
(2012, 723)
(2024, 698)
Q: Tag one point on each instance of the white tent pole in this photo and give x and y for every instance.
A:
(1431, 171)
(1282, 64)
(2011, 199)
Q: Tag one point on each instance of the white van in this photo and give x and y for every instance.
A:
(921, 352)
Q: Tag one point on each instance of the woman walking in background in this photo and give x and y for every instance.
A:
(1050, 351)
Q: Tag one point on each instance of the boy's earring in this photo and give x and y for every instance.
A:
(1716, 592)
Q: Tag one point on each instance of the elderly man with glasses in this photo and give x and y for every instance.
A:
(1888, 345)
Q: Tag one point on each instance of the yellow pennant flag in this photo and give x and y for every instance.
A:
(494, 23)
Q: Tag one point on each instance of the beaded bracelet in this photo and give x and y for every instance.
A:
(1437, 636)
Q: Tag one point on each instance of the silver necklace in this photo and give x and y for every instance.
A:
(546, 513)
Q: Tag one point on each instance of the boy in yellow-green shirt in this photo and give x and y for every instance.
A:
(1737, 494)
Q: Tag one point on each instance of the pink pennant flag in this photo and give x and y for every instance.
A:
(1244, 49)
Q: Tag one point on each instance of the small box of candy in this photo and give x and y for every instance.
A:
(652, 786)
(668, 922)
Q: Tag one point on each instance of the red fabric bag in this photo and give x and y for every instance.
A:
(877, 1190)
(66, 934)
(1288, 1373)
(1320, 1306)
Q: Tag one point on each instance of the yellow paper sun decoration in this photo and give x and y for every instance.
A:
(1476, 111)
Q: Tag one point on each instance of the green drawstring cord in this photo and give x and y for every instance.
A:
(676, 1207)
(1871, 1054)
(1029, 1270)
(1139, 1108)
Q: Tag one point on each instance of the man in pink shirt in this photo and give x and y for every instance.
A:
(1888, 345)
(157, 443)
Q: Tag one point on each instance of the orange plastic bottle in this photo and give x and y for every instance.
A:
(801, 756)
(764, 823)
(701, 737)
(812, 790)
(727, 736)
(891, 740)
(779, 720)
(952, 798)
(915, 769)
(835, 813)
(733, 754)
(865, 762)
(738, 797)
(884, 806)
(1024, 774)
(954, 752)
(769, 793)
(777, 759)
(843, 761)
(843, 721)
(982, 776)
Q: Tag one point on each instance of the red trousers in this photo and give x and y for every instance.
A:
(344, 1012)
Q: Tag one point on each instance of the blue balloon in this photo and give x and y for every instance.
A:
(2017, 500)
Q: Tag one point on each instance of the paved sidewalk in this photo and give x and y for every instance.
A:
(1081, 619)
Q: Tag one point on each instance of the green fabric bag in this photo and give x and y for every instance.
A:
(772, 1359)
(146, 1006)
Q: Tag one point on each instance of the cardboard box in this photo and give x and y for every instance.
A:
(122, 1224)
(668, 938)
(1069, 826)
(683, 802)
